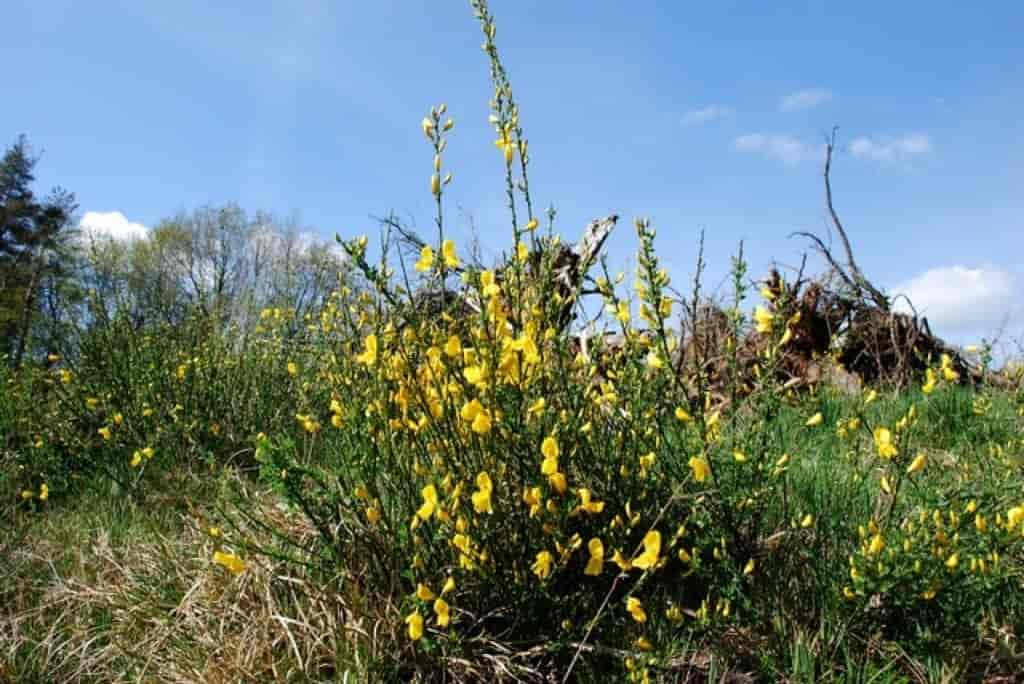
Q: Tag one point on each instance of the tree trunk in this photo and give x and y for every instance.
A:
(26, 313)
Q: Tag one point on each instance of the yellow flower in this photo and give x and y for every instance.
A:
(542, 566)
(532, 498)
(471, 409)
(621, 312)
(682, 415)
(449, 586)
(1014, 517)
(532, 225)
(44, 492)
(461, 542)
(953, 561)
(104, 432)
(807, 521)
(369, 356)
(475, 375)
(931, 380)
(487, 282)
(27, 494)
(624, 564)
(596, 562)
(700, 468)
(453, 347)
(482, 423)
(451, 260)
(293, 368)
(230, 561)
(537, 407)
(557, 481)
(423, 592)
(426, 261)
(764, 319)
(877, 544)
(428, 127)
(917, 464)
(586, 504)
(522, 252)
(647, 462)
(739, 457)
(947, 369)
(748, 569)
(429, 502)
(214, 532)
(506, 144)
(442, 612)
(482, 497)
(549, 449)
(883, 442)
(814, 420)
(415, 622)
(373, 515)
(636, 609)
(652, 548)
(136, 459)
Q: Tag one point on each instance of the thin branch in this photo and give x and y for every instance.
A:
(862, 282)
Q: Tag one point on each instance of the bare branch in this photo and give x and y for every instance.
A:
(863, 283)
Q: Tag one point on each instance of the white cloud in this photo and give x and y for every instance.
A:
(111, 224)
(956, 297)
(891, 150)
(699, 117)
(805, 99)
(784, 148)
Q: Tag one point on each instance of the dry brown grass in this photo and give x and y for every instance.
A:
(85, 604)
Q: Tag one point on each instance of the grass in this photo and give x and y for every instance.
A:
(105, 589)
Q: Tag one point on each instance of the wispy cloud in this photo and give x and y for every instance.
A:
(957, 297)
(111, 224)
(699, 117)
(784, 148)
(891, 150)
(805, 99)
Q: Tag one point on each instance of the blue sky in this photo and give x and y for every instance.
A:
(700, 115)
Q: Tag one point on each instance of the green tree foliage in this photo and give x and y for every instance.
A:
(35, 237)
